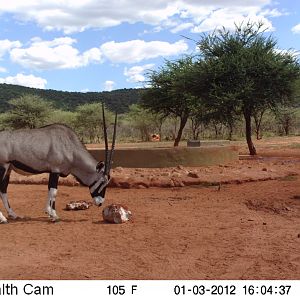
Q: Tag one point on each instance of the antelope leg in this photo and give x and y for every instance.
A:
(4, 180)
(52, 192)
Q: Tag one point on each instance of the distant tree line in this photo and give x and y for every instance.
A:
(117, 100)
(138, 124)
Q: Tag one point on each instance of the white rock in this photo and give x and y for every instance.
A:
(116, 213)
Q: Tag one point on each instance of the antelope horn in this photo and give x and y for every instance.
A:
(113, 145)
(105, 140)
(108, 153)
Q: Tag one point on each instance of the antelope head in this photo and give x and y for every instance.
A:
(98, 188)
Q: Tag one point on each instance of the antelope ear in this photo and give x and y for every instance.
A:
(100, 166)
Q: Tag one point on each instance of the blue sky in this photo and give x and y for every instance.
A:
(96, 45)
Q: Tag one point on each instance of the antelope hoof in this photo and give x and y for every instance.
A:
(54, 220)
(13, 216)
(53, 217)
(3, 221)
(51, 213)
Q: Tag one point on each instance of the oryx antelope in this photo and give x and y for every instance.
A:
(53, 149)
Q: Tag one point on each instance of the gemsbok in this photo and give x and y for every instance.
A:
(53, 149)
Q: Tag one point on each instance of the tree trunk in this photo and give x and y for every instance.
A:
(258, 120)
(286, 130)
(252, 150)
(257, 134)
(196, 137)
(286, 127)
(195, 129)
(182, 124)
(256, 128)
(230, 131)
(160, 130)
(216, 131)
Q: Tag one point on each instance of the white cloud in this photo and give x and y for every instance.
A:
(274, 13)
(56, 54)
(181, 27)
(137, 50)
(136, 73)
(2, 70)
(25, 80)
(79, 15)
(296, 28)
(228, 17)
(7, 45)
(75, 15)
(109, 85)
(60, 53)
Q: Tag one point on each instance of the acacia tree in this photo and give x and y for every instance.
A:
(62, 117)
(88, 122)
(285, 117)
(28, 111)
(169, 92)
(144, 121)
(246, 73)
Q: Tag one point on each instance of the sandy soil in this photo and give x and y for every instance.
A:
(237, 221)
(248, 231)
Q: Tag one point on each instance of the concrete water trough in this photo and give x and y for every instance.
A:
(170, 157)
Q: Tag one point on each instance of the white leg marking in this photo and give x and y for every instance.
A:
(98, 200)
(50, 202)
(2, 218)
(9, 210)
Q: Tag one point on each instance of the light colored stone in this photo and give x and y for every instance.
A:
(116, 213)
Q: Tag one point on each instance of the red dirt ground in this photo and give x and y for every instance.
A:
(249, 230)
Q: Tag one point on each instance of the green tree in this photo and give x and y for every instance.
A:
(116, 100)
(3, 122)
(63, 117)
(245, 74)
(169, 93)
(143, 120)
(286, 118)
(88, 122)
(27, 111)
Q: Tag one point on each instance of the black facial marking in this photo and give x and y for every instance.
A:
(102, 193)
(92, 184)
(100, 166)
(96, 193)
